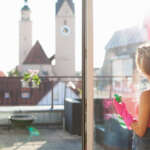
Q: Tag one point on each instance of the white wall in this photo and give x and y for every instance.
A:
(25, 37)
(41, 68)
(58, 95)
(65, 45)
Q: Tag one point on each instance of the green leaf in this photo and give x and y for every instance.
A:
(26, 76)
(36, 79)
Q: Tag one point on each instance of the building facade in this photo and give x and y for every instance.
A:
(119, 62)
(65, 38)
(25, 33)
(34, 57)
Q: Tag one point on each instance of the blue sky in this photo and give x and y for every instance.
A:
(109, 16)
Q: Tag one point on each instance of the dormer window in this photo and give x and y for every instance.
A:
(6, 95)
(25, 95)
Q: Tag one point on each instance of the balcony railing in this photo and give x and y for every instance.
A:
(53, 90)
(126, 86)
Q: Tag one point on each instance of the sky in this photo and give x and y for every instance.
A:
(109, 16)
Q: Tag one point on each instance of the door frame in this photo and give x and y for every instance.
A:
(87, 75)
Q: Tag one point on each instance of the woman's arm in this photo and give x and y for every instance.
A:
(140, 126)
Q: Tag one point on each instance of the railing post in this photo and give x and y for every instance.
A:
(83, 77)
(52, 105)
(65, 88)
(111, 87)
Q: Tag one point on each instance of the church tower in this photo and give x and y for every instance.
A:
(25, 32)
(65, 38)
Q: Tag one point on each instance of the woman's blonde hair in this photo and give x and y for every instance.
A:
(143, 58)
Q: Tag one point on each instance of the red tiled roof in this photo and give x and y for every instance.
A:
(2, 74)
(12, 85)
(37, 55)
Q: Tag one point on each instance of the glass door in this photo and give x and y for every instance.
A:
(120, 27)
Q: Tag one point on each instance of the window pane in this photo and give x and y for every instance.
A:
(40, 65)
(119, 29)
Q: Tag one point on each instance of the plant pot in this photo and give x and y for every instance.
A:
(34, 85)
(25, 89)
(24, 84)
(21, 121)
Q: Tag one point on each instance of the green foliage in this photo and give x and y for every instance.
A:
(36, 79)
(13, 73)
(32, 77)
(27, 77)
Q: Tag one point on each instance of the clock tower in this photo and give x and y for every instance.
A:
(25, 33)
(65, 38)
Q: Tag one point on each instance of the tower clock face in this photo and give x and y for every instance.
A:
(65, 30)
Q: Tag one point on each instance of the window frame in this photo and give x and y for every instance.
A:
(87, 75)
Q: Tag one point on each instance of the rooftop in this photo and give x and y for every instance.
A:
(60, 3)
(127, 36)
(37, 55)
(25, 7)
(49, 139)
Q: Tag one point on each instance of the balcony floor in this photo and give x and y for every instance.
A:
(49, 139)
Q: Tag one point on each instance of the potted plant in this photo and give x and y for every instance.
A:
(35, 81)
(13, 73)
(26, 80)
(31, 79)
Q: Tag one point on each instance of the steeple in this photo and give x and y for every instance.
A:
(25, 7)
(25, 11)
(65, 38)
(60, 3)
(25, 34)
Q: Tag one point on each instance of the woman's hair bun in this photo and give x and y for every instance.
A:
(144, 50)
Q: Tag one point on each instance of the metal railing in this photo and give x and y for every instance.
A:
(53, 90)
(127, 86)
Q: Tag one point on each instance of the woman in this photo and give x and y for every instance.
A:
(141, 127)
